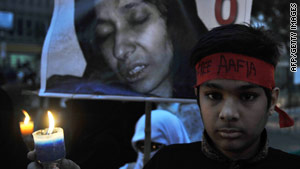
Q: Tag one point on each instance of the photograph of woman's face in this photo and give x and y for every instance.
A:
(132, 37)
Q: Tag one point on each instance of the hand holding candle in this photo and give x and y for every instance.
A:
(49, 143)
(26, 128)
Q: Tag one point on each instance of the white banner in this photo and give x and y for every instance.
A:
(136, 49)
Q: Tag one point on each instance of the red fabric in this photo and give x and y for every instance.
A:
(240, 67)
(284, 119)
(235, 67)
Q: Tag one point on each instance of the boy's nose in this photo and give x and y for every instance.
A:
(229, 111)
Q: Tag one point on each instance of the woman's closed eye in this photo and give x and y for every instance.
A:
(138, 18)
(104, 29)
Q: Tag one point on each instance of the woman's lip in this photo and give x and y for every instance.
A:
(134, 72)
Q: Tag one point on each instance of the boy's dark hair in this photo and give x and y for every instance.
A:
(240, 39)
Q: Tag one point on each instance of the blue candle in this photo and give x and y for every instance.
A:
(49, 146)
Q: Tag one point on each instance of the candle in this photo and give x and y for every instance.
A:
(26, 127)
(49, 142)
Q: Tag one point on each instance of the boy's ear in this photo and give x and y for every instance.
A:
(274, 98)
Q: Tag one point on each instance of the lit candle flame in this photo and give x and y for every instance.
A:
(51, 123)
(26, 127)
(27, 117)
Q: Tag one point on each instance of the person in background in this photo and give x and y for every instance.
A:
(166, 129)
(13, 148)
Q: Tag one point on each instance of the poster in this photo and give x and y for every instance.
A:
(129, 50)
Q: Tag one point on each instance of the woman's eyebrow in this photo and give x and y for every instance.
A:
(129, 6)
(102, 20)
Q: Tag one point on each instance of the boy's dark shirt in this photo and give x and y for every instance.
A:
(202, 155)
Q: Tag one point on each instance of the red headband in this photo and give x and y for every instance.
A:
(240, 67)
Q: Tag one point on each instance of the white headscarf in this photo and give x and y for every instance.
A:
(166, 129)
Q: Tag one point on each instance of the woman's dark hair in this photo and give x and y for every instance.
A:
(241, 39)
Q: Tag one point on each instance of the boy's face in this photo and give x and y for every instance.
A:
(234, 113)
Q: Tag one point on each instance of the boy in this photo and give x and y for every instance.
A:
(236, 93)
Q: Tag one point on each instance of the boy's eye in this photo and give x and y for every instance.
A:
(248, 96)
(214, 96)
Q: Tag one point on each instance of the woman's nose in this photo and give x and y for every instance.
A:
(124, 45)
(229, 111)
